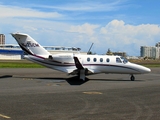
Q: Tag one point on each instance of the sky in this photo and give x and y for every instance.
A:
(118, 25)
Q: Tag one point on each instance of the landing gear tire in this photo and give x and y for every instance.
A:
(132, 78)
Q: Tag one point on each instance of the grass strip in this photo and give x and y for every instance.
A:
(29, 64)
(19, 65)
(151, 66)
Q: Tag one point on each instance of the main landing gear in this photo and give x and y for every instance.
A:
(81, 74)
(132, 78)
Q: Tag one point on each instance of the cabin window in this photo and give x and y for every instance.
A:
(88, 59)
(94, 59)
(101, 59)
(107, 60)
(118, 60)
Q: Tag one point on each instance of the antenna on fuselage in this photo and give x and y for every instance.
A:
(89, 51)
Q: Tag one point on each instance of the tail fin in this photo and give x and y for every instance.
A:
(29, 45)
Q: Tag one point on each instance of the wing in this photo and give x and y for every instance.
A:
(79, 67)
(78, 64)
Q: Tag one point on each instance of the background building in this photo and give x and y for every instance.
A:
(116, 53)
(158, 44)
(120, 54)
(10, 52)
(150, 52)
(2, 39)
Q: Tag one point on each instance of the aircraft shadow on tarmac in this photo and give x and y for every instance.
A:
(72, 80)
(5, 76)
(75, 80)
(114, 80)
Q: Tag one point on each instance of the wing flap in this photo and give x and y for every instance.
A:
(75, 71)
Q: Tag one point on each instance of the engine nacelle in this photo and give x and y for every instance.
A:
(63, 58)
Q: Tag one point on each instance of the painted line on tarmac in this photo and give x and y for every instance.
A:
(4, 116)
(93, 93)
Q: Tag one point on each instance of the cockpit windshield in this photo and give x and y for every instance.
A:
(124, 60)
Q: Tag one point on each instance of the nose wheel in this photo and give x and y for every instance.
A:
(132, 78)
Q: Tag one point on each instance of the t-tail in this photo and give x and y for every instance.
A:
(29, 45)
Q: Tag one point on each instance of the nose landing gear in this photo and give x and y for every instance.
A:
(132, 78)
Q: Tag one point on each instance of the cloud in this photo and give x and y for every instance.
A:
(126, 32)
(116, 35)
(14, 11)
(85, 29)
(120, 35)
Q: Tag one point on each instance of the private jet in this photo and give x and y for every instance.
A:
(76, 63)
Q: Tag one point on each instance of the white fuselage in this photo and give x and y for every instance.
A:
(94, 63)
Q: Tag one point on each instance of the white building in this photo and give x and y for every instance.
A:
(150, 52)
(158, 44)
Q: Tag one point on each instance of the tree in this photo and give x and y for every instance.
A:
(109, 52)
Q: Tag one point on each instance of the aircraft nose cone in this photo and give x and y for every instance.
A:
(141, 69)
(146, 70)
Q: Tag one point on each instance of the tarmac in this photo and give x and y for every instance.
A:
(45, 94)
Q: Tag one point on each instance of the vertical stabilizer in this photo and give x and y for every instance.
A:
(29, 45)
